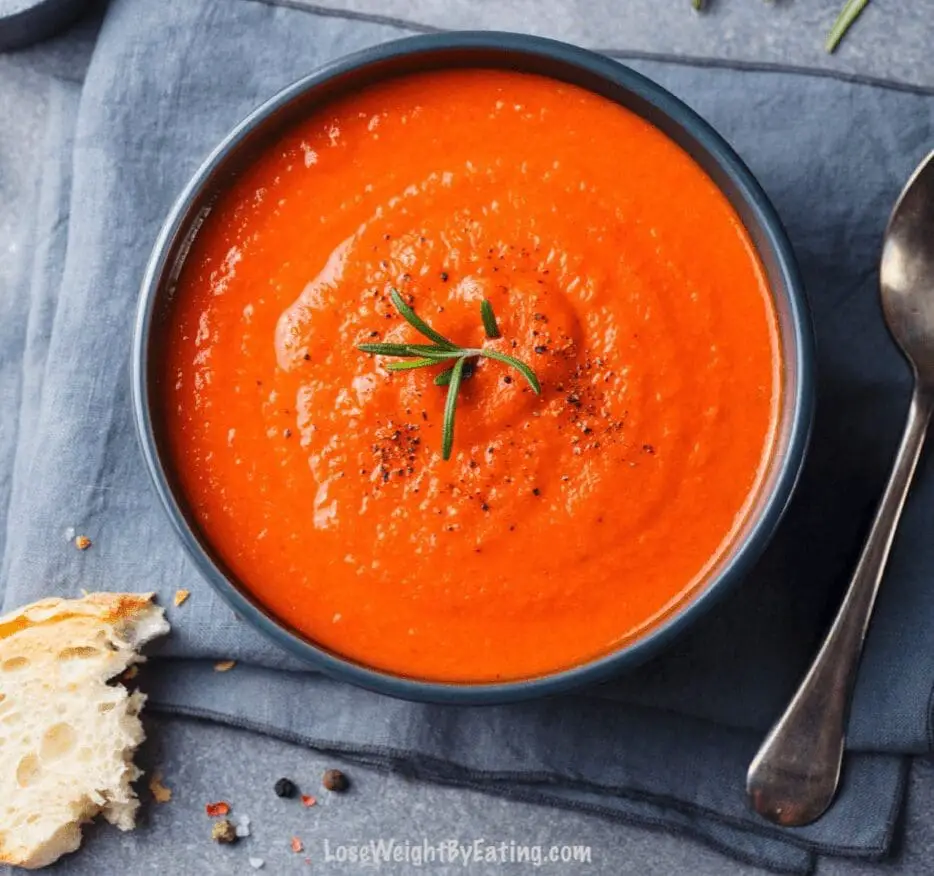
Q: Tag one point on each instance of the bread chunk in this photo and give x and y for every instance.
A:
(67, 737)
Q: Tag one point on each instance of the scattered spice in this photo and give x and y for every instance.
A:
(308, 800)
(215, 809)
(181, 596)
(160, 793)
(130, 673)
(297, 845)
(335, 780)
(444, 276)
(224, 665)
(82, 542)
(285, 788)
(223, 832)
(536, 491)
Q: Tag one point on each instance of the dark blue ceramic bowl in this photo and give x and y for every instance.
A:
(561, 62)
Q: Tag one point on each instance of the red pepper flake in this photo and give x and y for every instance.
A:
(215, 809)
(308, 800)
(297, 845)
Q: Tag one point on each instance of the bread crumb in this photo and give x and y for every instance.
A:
(82, 542)
(297, 845)
(160, 793)
(224, 665)
(223, 832)
(130, 673)
(181, 596)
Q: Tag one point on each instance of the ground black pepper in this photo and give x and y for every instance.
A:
(285, 788)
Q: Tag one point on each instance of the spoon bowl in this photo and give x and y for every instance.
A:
(907, 271)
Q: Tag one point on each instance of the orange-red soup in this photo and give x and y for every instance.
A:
(565, 524)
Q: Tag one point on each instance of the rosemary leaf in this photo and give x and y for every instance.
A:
(519, 365)
(444, 377)
(410, 365)
(450, 408)
(414, 320)
(489, 319)
(845, 19)
(409, 351)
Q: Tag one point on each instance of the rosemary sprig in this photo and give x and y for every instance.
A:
(444, 350)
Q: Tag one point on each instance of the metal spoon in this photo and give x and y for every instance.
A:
(793, 778)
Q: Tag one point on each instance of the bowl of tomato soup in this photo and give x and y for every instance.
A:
(473, 367)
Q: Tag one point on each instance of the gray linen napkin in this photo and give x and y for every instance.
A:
(666, 745)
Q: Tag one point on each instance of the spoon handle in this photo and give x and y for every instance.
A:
(793, 777)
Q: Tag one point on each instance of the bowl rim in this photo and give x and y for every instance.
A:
(772, 504)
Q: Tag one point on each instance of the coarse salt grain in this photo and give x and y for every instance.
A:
(257, 863)
(242, 830)
(70, 533)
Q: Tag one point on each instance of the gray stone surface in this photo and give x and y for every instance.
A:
(204, 762)
(890, 41)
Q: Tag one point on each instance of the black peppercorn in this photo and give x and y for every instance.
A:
(285, 788)
(335, 780)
